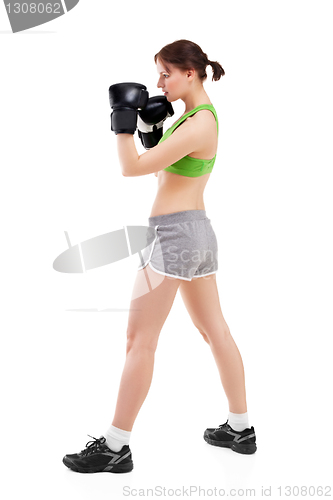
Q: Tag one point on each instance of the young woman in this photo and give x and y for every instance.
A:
(184, 252)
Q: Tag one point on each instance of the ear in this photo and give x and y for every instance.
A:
(190, 74)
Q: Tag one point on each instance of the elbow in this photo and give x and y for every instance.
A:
(125, 170)
(127, 173)
(130, 169)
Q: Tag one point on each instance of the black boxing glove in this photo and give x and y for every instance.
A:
(125, 100)
(151, 119)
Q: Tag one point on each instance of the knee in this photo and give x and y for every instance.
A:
(140, 341)
(214, 333)
(204, 336)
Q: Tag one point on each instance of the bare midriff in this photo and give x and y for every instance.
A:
(176, 193)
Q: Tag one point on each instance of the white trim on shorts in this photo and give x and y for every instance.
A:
(166, 274)
(151, 252)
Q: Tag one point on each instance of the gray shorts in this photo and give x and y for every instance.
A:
(184, 247)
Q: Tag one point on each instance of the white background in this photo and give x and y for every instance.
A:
(269, 200)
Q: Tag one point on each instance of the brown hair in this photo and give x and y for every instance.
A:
(187, 55)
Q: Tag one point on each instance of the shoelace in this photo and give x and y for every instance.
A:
(222, 425)
(93, 446)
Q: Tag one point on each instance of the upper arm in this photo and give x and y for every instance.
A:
(186, 139)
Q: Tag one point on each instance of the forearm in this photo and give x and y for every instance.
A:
(127, 152)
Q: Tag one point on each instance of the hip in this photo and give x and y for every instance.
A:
(160, 208)
(185, 245)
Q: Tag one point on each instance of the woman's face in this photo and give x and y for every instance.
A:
(174, 82)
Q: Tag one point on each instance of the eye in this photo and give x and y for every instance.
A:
(165, 75)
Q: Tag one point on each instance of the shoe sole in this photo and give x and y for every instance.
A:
(116, 468)
(245, 449)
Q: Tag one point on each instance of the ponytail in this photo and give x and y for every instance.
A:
(218, 71)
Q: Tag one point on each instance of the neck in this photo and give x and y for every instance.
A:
(196, 99)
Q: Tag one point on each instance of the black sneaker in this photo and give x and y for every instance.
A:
(98, 457)
(225, 436)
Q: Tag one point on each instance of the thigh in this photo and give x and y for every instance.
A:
(152, 299)
(202, 302)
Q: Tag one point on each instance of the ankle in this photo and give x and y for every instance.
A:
(238, 421)
(116, 438)
(120, 425)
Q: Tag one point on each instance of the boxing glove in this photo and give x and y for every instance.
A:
(151, 119)
(125, 100)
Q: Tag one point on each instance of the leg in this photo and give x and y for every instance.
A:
(149, 313)
(201, 299)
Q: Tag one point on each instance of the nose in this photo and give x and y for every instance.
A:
(159, 84)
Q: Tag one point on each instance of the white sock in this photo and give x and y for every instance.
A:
(238, 421)
(116, 438)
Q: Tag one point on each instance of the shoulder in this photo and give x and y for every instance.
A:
(205, 116)
(202, 122)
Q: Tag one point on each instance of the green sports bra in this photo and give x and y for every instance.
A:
(188, 166)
